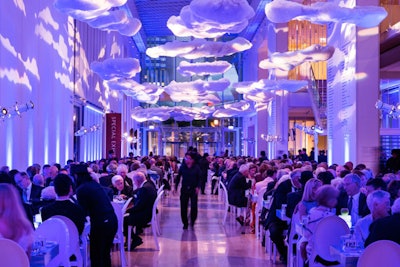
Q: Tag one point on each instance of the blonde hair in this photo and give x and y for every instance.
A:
(309, 192)
(12, 214)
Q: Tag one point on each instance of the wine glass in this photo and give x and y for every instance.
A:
(344, 211)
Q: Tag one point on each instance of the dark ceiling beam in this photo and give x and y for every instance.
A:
(256, 21)
(140, 39)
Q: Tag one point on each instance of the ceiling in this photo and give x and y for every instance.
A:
(154, 15)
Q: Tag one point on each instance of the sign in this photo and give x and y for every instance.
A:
(113, 134)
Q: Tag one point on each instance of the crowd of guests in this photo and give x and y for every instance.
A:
(82, 190)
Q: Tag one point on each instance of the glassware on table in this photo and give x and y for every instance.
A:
(344, 211)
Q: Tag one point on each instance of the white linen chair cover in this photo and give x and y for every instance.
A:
(12, 254)
(155, 227)
(327, 233)
(54, 229)
(380, 253)
(74, 242)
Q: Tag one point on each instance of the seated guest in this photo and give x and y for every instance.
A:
(30, 193)
(120, 189)
(13, 222)
(303, 208)
(141, 212)
(326, 197)
(352, 198)
(38, 179)
(386, 228)
(237, 188)
(275, 225)
(63, 205)
(375, 184)
(379, 204)
(394, 190)
(48, 196)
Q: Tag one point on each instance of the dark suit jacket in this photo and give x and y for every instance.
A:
(279, 198)
(236, 190)
(106, 180)
(292, 200)
(143, 199)
(385, 229)
(68, 209)
(362, 204)
(93, 199)
(34, 199)
(127, 191)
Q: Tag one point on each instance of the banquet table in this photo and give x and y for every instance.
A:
(42, 256)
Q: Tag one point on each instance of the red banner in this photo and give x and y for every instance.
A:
(113, 134)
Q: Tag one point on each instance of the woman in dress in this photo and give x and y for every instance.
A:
(14, 224)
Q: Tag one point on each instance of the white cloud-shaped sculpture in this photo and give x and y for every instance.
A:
(211, 19)
(203, 68)
(258, 96)
(270, 85)
(199, 48)
(112, 68)
(116, 20)
(100, 15)
(289, 60)
(234, 109)
(85, 9)
(140, 114)
(281, 11)
(198, 91)
(147, 93)
(181, 113)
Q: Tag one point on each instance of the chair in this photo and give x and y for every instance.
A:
(327, 233)
(154, 224)
(54, 229)
(74, 242)
(226, 201)
(12, 254)
(259, 206)
(119, 236)
(380, 253)
(84, 245)
(160, 189)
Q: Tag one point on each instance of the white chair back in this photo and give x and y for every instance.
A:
(74, 242)
(328, 233)
(160, 189)
(119, 236)
(54, 229)
(226, 201)
(154, 222)
(84, 247)
(13, 254)
(380, 253)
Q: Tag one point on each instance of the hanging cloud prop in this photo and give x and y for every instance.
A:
(198, 91)
(270, 85)
(179, 113)
(146, 93)
(211, 19)
(140, 114)
(116, 68)
(258, 96)
(100, 15)
(289, 60)
(203, 68)
(199, 48)
(234, 109)
(281, 11)
(116, 20)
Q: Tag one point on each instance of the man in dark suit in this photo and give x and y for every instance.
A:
(141, 212)
(295, 197)
(30, 193)
(63, 205)
(275, 225)
(386, 228)
(352, 198)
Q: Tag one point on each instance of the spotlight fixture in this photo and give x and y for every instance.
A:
(393, 111)
(85, 130)
(16, 110)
